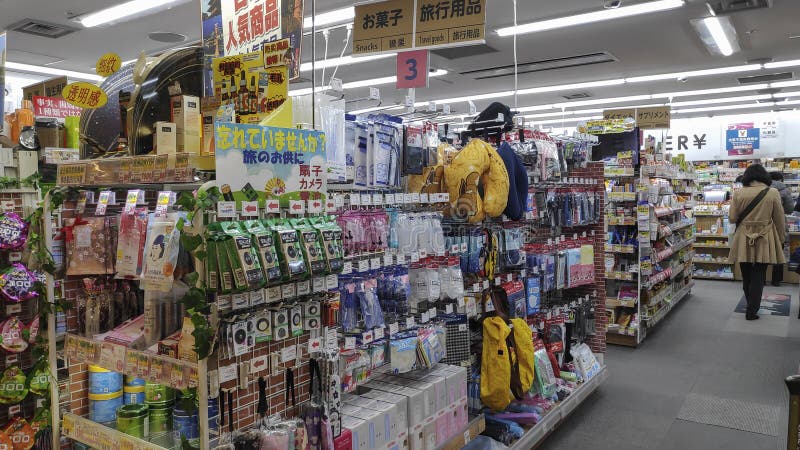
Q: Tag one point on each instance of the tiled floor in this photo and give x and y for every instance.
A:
(702, 348)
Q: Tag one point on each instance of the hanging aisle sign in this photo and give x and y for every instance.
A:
(742, 139)
(646, 118)
(393, 25)
(256, 163)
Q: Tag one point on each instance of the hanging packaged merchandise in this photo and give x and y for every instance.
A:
(267, 253)
(130, 244)
(39, 378)
(246, 253)
(545, 378)
(13, 231)
(95, 308)
(161, 252)
(533, 293)
(17, 284)
(523, 352)
(332, 121)
(414, 153)
(554, 334)
(513, 241)
(212, 265)
(33, 330)
(477, 162)
(495, 364)
(20, 433)
(403, 352)
(331, 235)
(430, 349)
(360, 153)
(13, 339)
(369, 306)
(311, 245)
(13, 386)
(351, 146)
(290, 255)
(515, 298)
(431, 268)
(88, 247)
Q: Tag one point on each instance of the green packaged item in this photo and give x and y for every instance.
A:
(265, 244)
(312, 247)
(132, 420)
(13, 386)
(331, 235)
(247, 255)
(239, 278)
(212, 268)
(39, 378)
(225, 272)
(289, 252)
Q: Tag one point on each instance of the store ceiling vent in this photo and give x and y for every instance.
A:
(733, 6)
(768, 78)
(542, 65)
(42, 29)
(463, 52)
(577, 95)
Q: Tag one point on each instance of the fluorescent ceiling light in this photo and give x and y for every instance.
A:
(752, 87)
(571, 119)
(467, 98)
(566, 87)
(343, 61)
(362, 83)
(724, 108)
(694, 73)
(603, 101)
(376, 108)
(718, 35)
(38, 70)
(782, 84)
(711, 101)
(597, 16)
(780, 64)
(122, 11)
(331, 17)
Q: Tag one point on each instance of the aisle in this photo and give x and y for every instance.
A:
(703, 356)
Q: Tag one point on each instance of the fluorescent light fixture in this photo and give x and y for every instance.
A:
(123, 11)
(467, 98)
(780, 64)
(39, 70)
(694, 73)
(343, 61)
(306, 91)
(331, 17)
(376, 108)
(362, 83)
(566, 87)
(571, 119)
(604, 101)
(782, 84)
(718, 34)
(711, 101)
(724, 108)
(597, 16)
(752, 87)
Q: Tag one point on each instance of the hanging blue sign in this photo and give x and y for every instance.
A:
(742, 141)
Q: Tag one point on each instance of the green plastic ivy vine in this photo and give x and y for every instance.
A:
(196, 299)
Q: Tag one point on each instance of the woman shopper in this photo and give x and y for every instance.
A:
(757, 211)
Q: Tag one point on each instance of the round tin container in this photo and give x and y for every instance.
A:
(132, 420)
(102, 381)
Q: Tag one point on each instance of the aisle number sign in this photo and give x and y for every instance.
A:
(412, 69)
(393, 25)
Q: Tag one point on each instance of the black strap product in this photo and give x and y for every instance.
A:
(316, 396)
(262, 397)
(753, 203)
(230, 411)
(290, 386)
(222, 409)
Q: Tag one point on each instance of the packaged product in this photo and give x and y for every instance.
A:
(16, 283)
(289, 252)
(130, 243)
(13, 231)
(267, 253)
(311, 245)
(161, 253)
(88, 247)
(246, 253)
(331, 235)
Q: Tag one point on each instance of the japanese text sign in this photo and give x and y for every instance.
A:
(657, 117)
(108, 64)
(270, 163)
(383, 26)
(248, 23)
(742, 141)
(84, 95)
(53, 107)
(412, 69)
(450, 22)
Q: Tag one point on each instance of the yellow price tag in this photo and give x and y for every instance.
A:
(84, 95)
(108, 64)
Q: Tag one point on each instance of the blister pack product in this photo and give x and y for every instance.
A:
(289, 253)
(161, 252)
(331, 235)
(267, 252)
(130, 243)
(246, 253)
(311, 245)
(225, 272)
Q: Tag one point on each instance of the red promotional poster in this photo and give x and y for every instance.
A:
(54, 107)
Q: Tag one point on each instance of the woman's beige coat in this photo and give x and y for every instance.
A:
(760, 237)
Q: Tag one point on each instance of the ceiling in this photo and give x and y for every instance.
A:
(642, 45)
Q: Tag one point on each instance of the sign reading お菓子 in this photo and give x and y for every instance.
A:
(259, 163)
(393, 25)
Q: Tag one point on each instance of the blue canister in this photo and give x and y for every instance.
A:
(213, 414)
(185, 423)
(134, 390)
(102, 381)
(103, 407)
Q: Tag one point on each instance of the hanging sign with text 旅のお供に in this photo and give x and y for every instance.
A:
(260, 163)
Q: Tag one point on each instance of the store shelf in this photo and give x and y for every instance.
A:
(557, 414)
(711, 246)
(475, 427)
(152, 367)
(713, 236)
(620, 220)
(619, 248)
(661, 313)
(622, 276)
(705, 261)
(101, 437)
(712, 277)
(614, 302)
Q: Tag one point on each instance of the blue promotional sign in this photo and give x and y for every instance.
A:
(742, 141)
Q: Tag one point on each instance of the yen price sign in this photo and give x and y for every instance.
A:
(412, 69)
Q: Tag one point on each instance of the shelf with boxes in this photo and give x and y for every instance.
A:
(713, 237)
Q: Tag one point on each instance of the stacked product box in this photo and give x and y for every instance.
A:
(413, 411)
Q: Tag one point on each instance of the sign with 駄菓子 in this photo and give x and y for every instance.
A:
(257, 163)
(383, 26)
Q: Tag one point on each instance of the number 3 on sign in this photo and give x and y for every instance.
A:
(412, 69)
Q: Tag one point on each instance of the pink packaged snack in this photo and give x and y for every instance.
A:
(13, 231)
(33, 330)
(11, 331)
(16, 283)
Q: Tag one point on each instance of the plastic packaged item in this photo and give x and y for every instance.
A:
(16, 284)
(246, 255)
(267, 252)
(161, 253)
(88, 248)
(403, 353)
(289, 251)
(13, 231)
(130, 243)
(311, 244)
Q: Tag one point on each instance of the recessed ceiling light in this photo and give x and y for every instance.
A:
(166, 36)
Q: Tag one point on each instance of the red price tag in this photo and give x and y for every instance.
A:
(412, 69)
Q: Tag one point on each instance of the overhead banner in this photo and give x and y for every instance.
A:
(232, 27)
(646, 118)
(256, 163)
(393, 25)
(742, 139)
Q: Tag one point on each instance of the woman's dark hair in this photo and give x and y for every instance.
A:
(776, 176)
(739, 179)
(756, 172)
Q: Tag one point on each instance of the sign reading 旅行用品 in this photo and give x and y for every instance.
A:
(270, 163)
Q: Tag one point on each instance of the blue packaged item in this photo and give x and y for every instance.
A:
(102, 381)
(103, 407)
(185, 424)
(533, 294)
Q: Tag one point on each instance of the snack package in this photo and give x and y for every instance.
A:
(246, 254)
(130, 243)
(21, 434)
(33, 330)
(267, 254)
(88, 247)
(13, 340)
(13, 387)
(39, 378)
(16, 283)
(13, 231)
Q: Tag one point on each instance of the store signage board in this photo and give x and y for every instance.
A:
(108, 64)
(271, 163)
(53, 107)
(393, 25)
(412, 69)
(742, 140)
(646, 118)
(619, 114)
(84, 95)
